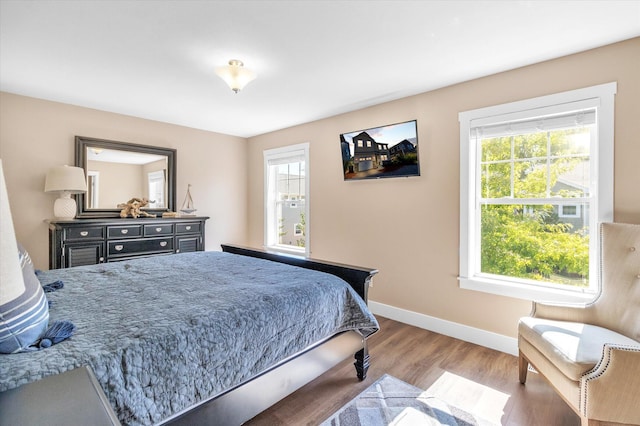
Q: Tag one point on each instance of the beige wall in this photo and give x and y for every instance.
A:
(357, 222)
(124, 182)
(36, 135)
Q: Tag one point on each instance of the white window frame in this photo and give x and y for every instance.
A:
(93, 180)
(154, 179)
(601, 162)
(270, 235)
(561, 212)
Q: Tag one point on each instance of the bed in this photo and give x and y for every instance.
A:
(211, 337)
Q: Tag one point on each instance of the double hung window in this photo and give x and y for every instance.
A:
(286, 199)
(536, 179)
(156, 182)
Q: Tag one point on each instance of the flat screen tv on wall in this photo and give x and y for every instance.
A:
(381, 152)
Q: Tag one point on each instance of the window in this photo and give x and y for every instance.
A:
(156, 183)
(93, 186)
(286, 180)
(536, 180)
(569, 211)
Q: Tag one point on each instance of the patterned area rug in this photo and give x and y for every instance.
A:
(390, 401)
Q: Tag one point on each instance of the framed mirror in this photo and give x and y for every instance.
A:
(119, 171)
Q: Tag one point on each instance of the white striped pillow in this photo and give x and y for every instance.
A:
(24, 319)
(24, 311)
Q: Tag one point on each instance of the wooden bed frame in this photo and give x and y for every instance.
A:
(250, 398)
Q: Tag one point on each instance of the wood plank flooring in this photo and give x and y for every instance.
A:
(472, 377)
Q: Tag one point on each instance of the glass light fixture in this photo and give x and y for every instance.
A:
(235, 75)
(66, 180)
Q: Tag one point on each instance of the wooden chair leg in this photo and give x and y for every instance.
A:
(523, 367)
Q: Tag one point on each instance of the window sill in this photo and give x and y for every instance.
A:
(525, 291)
(288, 250)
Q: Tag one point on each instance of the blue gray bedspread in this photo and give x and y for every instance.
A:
(164, 333)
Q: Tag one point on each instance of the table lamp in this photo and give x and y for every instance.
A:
(66, 180)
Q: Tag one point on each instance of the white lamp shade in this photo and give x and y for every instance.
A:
(235, 75)
(11, 281)
(66, 179)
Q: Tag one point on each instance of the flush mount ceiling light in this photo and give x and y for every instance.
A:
(235, 75)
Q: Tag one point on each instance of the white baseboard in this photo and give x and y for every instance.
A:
(478, 336)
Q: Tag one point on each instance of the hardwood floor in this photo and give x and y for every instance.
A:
(472, 377)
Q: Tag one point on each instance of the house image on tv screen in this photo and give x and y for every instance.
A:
(388, 151)
(368, 154)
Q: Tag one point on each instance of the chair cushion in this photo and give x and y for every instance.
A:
(574, 348)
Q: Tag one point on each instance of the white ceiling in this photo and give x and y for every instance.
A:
(314, 59)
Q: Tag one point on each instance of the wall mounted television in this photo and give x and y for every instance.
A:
(381, 152)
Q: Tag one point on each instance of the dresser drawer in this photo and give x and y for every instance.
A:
(125, 231)
(158, 229)
(84, 233)
(145, 246)
(188, 228)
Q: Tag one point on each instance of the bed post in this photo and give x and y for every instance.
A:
(362, 356)
(362, 361)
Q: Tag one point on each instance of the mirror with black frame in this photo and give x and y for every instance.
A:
(119, 171)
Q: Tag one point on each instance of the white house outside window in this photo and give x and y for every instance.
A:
(536, 180)
(286, 199)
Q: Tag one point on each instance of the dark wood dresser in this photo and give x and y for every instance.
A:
(90, 241)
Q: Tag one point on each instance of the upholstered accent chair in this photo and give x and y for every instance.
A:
(590, 353)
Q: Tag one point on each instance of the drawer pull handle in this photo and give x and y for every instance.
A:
(188, 227)
(84, 233)
(124, 231)
(119, 247)
(163, 243)
(158, 229)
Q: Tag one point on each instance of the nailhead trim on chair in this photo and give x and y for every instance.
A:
(606, 350)
(601, 374)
